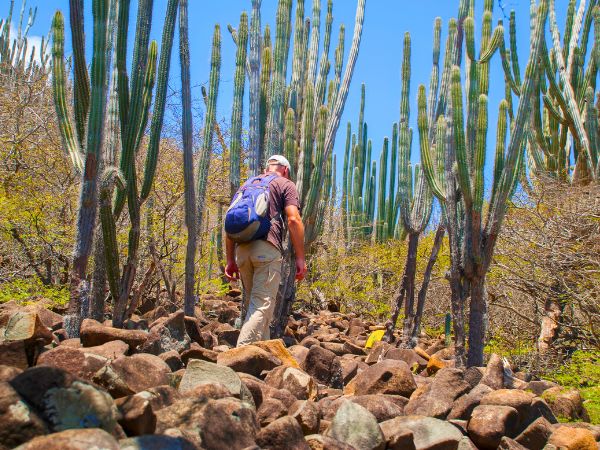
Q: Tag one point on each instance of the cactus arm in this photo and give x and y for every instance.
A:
(427, 161)
(435, 71)
(339, 65)
(265, 82)
(315, 180)
(81, 80)
(493, 45)
(298, 57)
(381, 216)
(480, 147)
(290, 140)
(254, 97)
(149, 81)
(235, 145)
(324, 64)
(336, 115)
(60, 99)
(305, 158)
(514, 56)
(576, 30)
(462, 161)
(314, 42)
(158, 113)
(390, 205)
(205, 151)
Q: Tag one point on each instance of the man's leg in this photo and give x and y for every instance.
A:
(242, 259)
(266, 263)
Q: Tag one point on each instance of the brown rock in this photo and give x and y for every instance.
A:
(48, 318)
(248, 359)
(307, 414)
(536, 435)
(270, 410)
(409, 356)
(324, 366)
(320, 442)
(352, 348)
(137, 417)
(515, 398)
(129, 375)
(17, 354)
(94, 333)
(78, 439)
(172, 359)
(7, 373)
(299, 353)
(494, 373)
(349, 369)
(435, 364)
(573, 439)
(566, 404)
(539, 386)
(507, 443)
(167, 334)
(489, 423)
(197, 352)
(255, 386)
(356, 426)
(386, 377)
(227, 335)
(19, 422)
(284, 395)
(22, 325)
(437, 398)
(428, 433)
(309, 341)
(282, 434)
(335, 347)
(276, 348)
(157, 442)
(74, 361)
(464, 405)
(110, 350)
(377, 352)
(160, 396)
(298, 382)
(228, 423)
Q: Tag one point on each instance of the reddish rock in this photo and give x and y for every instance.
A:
(110, 350)
(74, 361)
(494, 373)
(137, 417)
(197, 352)
(324, 366)
(255, 386)
(282, 434)
(437, 398)
(93, 333)
(539, 386)
(129, 375)
(19, 422)
(536, 435)
(248, 359)
(270, 410)
(377, 352)
(409, 356)
(228, 423)
(489, 423)
(160, 396)
(349, 369)
(298, 382)
(515, 398)
(428, 433)
(566, 404)
(507, 443)
(7, 373)
(573, 439)
(172, 359)
(277, 348)
(48, 318)
(299, 353)
(78, 439)
(464, 405)
(386, 377)
(320, 442)
(307, 414)
(167, 334)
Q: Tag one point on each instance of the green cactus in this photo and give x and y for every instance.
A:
(472, 239)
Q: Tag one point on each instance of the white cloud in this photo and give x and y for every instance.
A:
(34, 43)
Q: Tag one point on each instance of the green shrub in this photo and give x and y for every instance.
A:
(30, 290)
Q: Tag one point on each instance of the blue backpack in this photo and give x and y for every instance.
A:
(247, 218)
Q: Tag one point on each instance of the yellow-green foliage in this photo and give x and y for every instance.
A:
(30, 290)
(364, 279)
(582, 372)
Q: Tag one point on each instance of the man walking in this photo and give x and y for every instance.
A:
(258, 262)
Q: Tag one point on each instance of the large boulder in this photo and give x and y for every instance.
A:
(22, 337)
(489, 423)
(572, 439)
(307, 414)
(437, 398)
(464, 405)
(383, 407)
(493, 375)
(201, 372)
(156, 442)
(64, 401)
(19, 422)
(324, 366)
(277, 348)
(428, 432)
(248, 359)
(93, 333)
(386, 377)
(515, 398)
(282, 434)
(270, 410)
(110, 350)
(536, 435)
(356, 426)
(136, 415)
(566, 404)
(298, 382)
(166, 334)
(81, 439)
(228, 423)
(73, 360)
(129, 375)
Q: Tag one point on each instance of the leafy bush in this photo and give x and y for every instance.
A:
(30, 290)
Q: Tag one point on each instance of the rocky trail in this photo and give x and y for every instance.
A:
(173, 382)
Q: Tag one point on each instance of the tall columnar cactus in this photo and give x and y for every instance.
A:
(472, 239)
(17, 59)
(86, 218)
(134, 101)
(562, 130)
(239, 83)
(271, 100)
(415, 206)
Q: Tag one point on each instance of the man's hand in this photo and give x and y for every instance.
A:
(231, 271)
(300, 268)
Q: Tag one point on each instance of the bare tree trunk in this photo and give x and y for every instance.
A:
(99, 279)
(137, 295)
(437, 244)
(409, 285)
(478, 319)
(550, 325)
(286, 294)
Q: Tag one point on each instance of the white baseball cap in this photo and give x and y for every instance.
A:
(281, 160)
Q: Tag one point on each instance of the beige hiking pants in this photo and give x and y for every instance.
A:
(260, 270)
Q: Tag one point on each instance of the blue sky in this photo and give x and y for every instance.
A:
(379, 60)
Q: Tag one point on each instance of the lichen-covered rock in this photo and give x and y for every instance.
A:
(320, 442)
(166, 334)
(73, 360)
(19, 422)
(566, 404)
(277, 348)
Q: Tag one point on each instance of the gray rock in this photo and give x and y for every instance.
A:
(464, 405)
(428, 433)
(355, 425)
(78, 439)
(19, 422)
(156, 442)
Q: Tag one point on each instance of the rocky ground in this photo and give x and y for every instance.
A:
(175, 382)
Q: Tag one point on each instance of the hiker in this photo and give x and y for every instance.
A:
(254, 226)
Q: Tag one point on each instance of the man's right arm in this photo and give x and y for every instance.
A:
(231, 270)
(296, 228)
